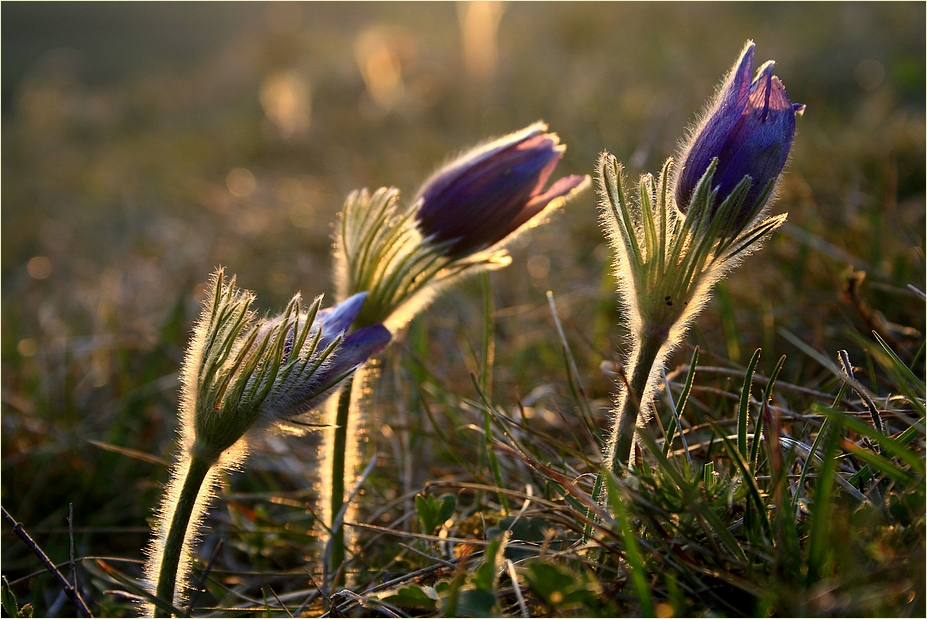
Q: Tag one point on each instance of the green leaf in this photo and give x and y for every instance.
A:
(477, 603)
(567, 590)
(890, 446)
(908, 383)
(898, 367)
(882, 465)
(681, 405)
(911, 433)
(8, 599)
(819, 544)
(745, 404)
(691, 495)
(749, 480)
(414, 597)
(524, 529)
(434, 511)
(631, 548)
(485, 576)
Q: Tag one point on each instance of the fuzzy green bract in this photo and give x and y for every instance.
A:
(243, 375)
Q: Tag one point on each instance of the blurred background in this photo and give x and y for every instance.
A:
(145, 143)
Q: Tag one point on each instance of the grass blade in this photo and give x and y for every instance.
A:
(761, 420)
(880, 464)
(631, 548)
(745, 404)
(822, 507)
(680, 407)
(138, 590)
(692, 497)
(749, 480)
(890, 447)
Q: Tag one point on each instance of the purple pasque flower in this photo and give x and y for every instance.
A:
(356, 347)
(749, 129)
(492, 190)
(333, 321)
(308, 391)
(339, 318)
(304, 394)
(300, 384)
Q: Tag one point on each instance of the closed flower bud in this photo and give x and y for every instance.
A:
(242, 376)
(492, 190)
(749, 130)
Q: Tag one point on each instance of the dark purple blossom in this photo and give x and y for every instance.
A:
(492, 190)
(305, 390)
(749, 130)
(357, 346)
(339, 317)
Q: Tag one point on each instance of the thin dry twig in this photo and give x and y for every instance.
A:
(847, 366)
(201, 583)
(71, 544)
(279, 601)
(70, 591)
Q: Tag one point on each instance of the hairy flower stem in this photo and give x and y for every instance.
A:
(339, 447)
(180, 531)
(636, 396)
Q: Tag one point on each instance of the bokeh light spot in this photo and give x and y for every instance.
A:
(286, 98)
(538, 266)
(302, 214)
(380, 66)
(241, 183)
(479, 25)
(27, 347)
(39, 267)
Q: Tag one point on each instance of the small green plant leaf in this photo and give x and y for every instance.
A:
(748, 477)
(434, 511)
(822, 506)
(8, 599)
(485, 576)
(897, 367)
(890, 447)
(477, 603)
(880, 464)
(745, 404)
(691, 494)
(631, 548)
(524, 529)
(412, 597)
(566, 590)
(548, 580)
(681, 405)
